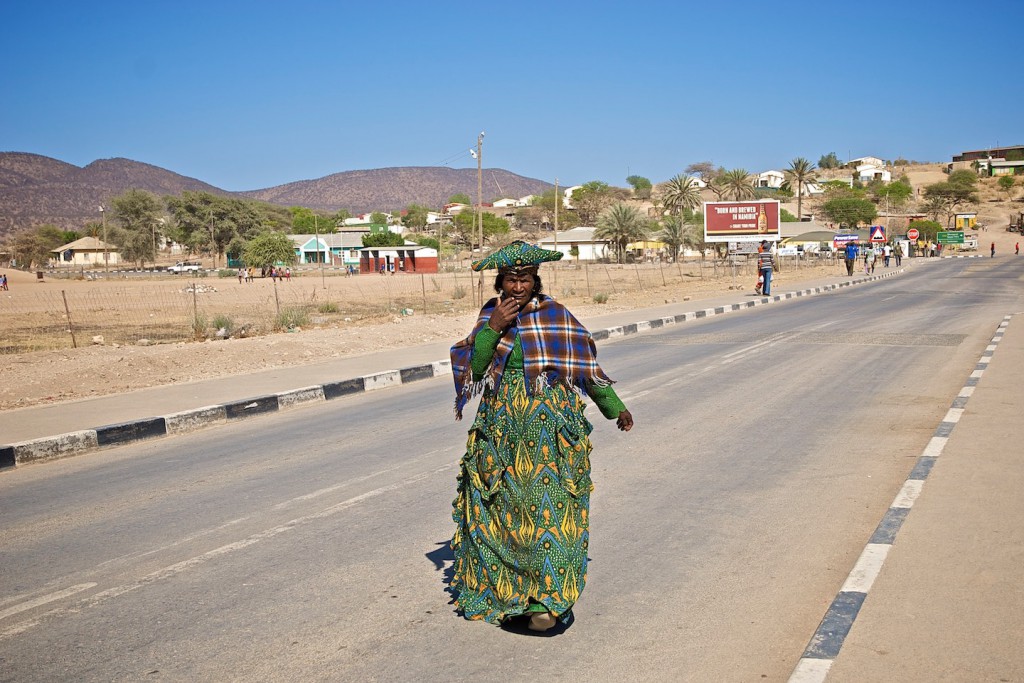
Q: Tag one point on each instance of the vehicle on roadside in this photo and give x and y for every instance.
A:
(186, 267)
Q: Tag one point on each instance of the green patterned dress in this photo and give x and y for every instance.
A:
(522, 509)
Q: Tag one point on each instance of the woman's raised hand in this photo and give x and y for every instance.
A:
(503, 314)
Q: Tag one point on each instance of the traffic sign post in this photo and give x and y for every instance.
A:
(913, 234)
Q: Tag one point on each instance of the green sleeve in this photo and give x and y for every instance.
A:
(606, 399)
(483, 351)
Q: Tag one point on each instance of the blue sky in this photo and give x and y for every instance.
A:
(248, 95)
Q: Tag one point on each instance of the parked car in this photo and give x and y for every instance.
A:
(186, 267)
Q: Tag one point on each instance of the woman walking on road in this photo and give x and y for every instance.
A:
(522, 511)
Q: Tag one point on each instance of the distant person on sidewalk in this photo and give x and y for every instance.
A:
(1016, 250)
(3, 281)
(850, 254)
(887, 250)
(897, 251)
(993, 250)
(765, 265)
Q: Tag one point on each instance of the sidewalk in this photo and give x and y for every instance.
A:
(948, 601)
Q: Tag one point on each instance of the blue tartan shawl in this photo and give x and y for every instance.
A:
(556, 348)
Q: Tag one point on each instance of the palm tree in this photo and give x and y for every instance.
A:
(737, 183)
(621, 224)
(800, 174)
(681, 193)
(673, 234)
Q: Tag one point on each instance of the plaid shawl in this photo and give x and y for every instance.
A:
(556, 348)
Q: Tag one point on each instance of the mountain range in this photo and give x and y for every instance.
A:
(36, 190)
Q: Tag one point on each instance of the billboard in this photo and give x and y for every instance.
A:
(750, 221)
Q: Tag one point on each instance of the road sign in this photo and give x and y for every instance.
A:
(913, 234)
(877, 233)
(951, 237)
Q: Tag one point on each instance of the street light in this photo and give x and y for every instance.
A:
(103, 217)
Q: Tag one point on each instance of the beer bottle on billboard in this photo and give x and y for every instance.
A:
(762, 221)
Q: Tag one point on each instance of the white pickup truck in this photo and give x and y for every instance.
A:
(185, 267)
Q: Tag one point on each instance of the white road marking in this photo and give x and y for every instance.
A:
(866, 570)
(43, 599)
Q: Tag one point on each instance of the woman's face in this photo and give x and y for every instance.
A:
(518, 286)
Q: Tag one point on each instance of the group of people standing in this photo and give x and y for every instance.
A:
(871, 255)
(3, 282)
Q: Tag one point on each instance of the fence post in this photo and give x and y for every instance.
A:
(423, 287)
(586, 271)
(277, 300)
(71, 328)
(610, 281)
(661, 269)
(640, 282)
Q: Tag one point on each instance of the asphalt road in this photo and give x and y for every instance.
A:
(311, 545)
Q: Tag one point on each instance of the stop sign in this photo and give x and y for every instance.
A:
(913, 234)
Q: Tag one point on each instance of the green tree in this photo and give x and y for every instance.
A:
(267, 249)
(800, 174)
(306, 221)
(895, 194)
(379, 218)
(137, 213)
(957, 191)
(673, 234)
(787, 217)
(465, 226)
(829, 161)
(641, 186)
(415, 217)
(460, 198)
(737, 184)
(384, 238)
(849, 211)
(620, 225)
(1006, 183)
(207, 223)
(679, 194)
(590, 199)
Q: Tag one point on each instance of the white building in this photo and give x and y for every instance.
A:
(582, 239)
(773, 179)
(867, 173)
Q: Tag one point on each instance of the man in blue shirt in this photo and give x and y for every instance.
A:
(851, 253)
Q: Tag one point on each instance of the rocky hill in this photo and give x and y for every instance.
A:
(35, 189)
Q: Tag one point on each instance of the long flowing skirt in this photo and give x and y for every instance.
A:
(523, 503)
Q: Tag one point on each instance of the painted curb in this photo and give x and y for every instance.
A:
(77, 443)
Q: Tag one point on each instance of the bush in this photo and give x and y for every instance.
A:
(222, 321)
(600, 298)
(199, 325)
(225, 272)
(290, 318)
(327, 307)
(459, 292)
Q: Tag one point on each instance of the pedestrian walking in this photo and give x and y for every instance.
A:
(765, 266)
(850, 254)
(887, 252)
(522, 511)
(993, 250)
(897, 251)
(1016, 249)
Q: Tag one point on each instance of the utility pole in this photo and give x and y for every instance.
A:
(316, 229)
(479, 189)
(558, 200)
(103, 217)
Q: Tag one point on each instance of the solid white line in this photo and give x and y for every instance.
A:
(811, 670)
(864, 573)
(43, 599)
(908, 494)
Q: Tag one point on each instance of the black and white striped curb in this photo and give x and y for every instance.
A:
(76, 443)
(831, 633)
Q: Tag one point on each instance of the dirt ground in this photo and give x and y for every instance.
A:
(47, 377)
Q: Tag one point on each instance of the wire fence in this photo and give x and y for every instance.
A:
(139, 309)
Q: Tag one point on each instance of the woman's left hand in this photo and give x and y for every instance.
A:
(624, 421)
